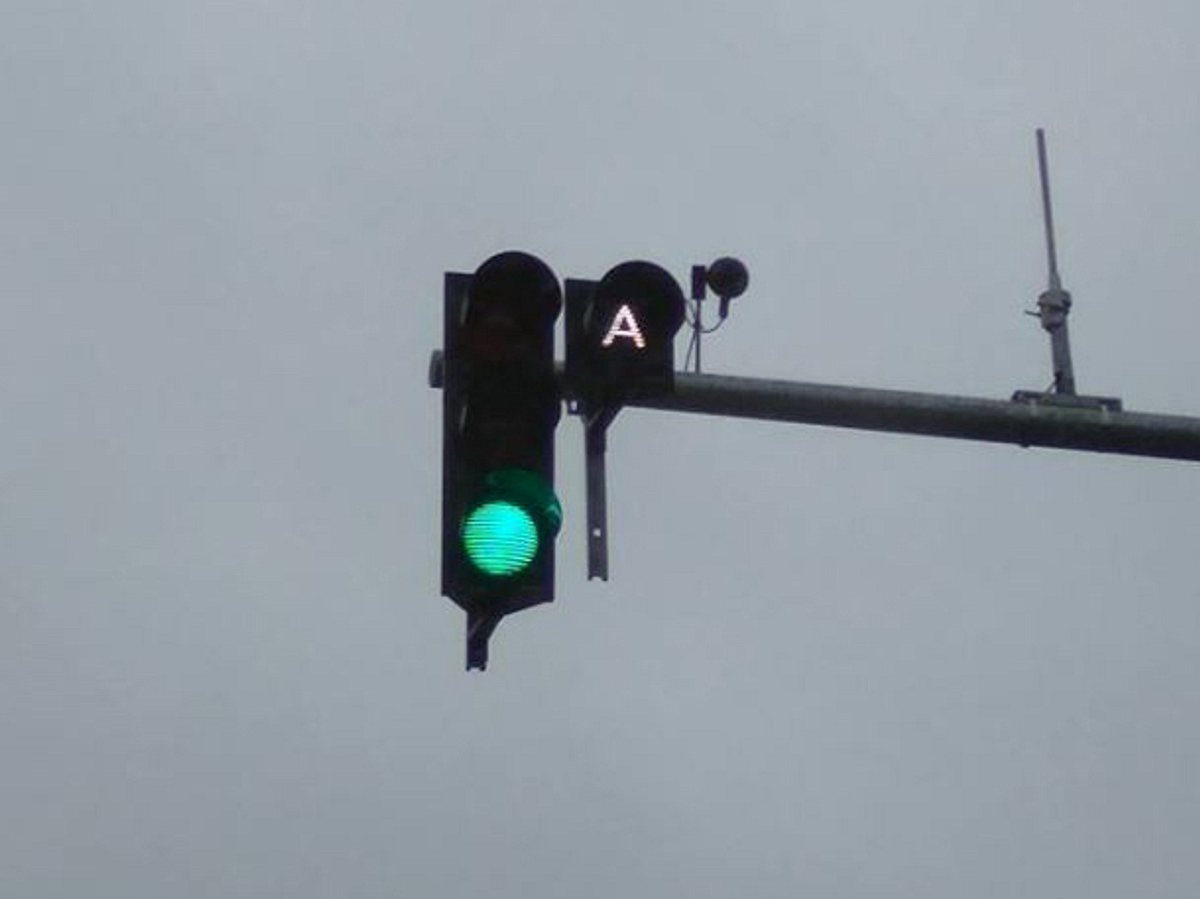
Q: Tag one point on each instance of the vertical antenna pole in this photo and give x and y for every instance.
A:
(1055, 303)
(1047, 211)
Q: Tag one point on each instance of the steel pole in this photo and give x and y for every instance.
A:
(936, 415)
(1100, 430)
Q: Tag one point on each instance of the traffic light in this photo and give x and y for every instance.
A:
(500, 410)
(620, 346)
(621, 334)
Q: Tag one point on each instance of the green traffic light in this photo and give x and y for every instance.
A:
(500, 538)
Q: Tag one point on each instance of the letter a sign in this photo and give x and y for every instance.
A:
(624, 325)
(620, 333)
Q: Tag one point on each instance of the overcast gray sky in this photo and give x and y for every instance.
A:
(828, 663)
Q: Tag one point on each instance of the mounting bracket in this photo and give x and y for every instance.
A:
(595, 431)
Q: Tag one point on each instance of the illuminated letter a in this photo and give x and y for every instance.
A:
(624, 325)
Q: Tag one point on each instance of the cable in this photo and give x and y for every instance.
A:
(687, 360)
(690, 317)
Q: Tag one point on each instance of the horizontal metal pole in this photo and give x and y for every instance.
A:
(1101, 430)
(936, 415)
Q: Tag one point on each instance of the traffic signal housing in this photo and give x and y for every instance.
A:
(501, 407)
(620, 346)
(621, 334)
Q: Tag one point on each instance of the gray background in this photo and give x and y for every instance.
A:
(829, 663)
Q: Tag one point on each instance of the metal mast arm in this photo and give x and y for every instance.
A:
(1080, 426)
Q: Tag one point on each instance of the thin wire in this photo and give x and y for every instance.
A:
(708, 330)
(696, 333)
(690, 317)
(687, 361)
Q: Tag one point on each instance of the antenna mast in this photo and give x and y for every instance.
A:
(1055, 303)
(1047, 211)
(1053, 306)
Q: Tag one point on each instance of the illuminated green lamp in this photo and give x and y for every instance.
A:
(500, 538)
(504, 531)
